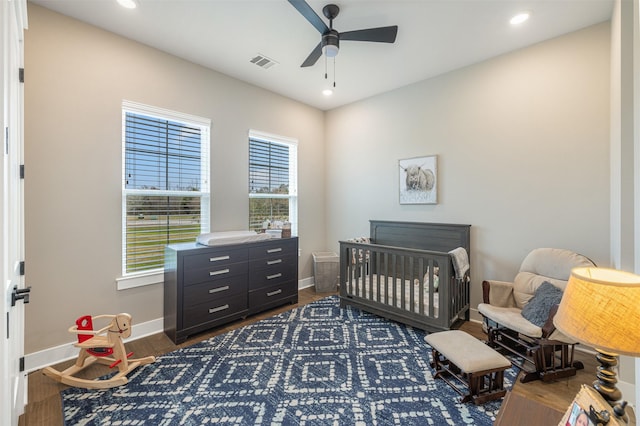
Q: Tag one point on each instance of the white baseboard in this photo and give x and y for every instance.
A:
(306, 283)
(37, 360)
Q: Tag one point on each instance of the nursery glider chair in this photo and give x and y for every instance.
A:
(519, 315)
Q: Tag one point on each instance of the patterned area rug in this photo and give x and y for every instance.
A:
(315, 365)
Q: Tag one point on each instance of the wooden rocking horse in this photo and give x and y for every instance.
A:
(104, 346)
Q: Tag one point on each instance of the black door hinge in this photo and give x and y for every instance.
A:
(21, 75)
(21, 364)
(22, 267)
(21, 171)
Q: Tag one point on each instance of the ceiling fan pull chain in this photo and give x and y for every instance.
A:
(325, 67)
(334, 72)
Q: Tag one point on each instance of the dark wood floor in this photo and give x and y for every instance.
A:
(45, 407)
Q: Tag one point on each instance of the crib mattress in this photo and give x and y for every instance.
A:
(367, 288)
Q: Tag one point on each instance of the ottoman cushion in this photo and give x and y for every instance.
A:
(466, 352)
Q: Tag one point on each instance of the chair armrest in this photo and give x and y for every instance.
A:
(548, 328)
(498, 293)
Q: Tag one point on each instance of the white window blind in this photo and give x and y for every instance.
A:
(273, 180)
(165, 183)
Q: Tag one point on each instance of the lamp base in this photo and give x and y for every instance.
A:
(607, 377)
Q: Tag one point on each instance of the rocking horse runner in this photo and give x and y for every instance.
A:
(104, 346)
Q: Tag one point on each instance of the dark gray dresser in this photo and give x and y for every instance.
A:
(205, 287)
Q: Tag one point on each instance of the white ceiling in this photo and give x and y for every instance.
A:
(434, 37)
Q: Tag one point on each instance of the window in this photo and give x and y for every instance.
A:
(165, 187)
(273, 180)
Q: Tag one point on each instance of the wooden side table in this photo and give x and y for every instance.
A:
(518, 410)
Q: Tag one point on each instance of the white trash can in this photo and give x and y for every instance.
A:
(325, 271)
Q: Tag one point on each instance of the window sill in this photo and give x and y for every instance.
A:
(139, 280)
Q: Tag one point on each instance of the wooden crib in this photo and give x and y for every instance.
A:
(406, 273)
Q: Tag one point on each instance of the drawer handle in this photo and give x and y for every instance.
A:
(274, 250)
(217, 259)
(219, 289)
(218, 309)
(273, 293)
(220, 272)
(274, 262)
(278, 275)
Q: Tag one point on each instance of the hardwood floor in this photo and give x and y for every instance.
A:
(45, 406)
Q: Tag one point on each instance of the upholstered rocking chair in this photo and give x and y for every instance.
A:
(519, 316)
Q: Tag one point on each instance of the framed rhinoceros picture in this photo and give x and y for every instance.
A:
(418, 180)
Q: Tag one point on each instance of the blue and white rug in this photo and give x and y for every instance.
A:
(314, 365)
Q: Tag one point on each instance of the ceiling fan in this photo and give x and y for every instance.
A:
(330, 42)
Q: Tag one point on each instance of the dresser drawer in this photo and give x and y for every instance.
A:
(264, 296)
(270, 275)
(272, 262)
(277, 248)
(215, 258)
(213, 273)
(215, 290)
(213, 310)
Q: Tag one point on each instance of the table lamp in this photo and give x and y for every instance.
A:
(600, 307)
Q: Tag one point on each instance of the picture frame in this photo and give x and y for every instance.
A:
(578, 416)
(418, 180)
(587, 409)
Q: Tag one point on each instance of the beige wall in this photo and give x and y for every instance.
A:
(77, 77)
(523, 154)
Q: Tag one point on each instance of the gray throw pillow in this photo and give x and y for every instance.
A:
(545, 297)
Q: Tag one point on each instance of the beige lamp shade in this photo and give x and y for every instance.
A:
(600, 307)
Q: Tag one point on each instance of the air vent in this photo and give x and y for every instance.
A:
(262, 61)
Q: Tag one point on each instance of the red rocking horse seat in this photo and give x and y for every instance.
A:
(86, 323)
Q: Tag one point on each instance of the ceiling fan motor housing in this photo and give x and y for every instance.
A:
(330, 43)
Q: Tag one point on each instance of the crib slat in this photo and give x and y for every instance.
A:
(377, 277)
(420, 285)
(402, 291)
(433, 312)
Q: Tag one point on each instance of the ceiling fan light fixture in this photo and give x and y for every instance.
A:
(520, 18)
(327, 92)
(330, 51)
(128, 4)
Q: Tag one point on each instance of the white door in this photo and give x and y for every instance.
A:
(12, 379)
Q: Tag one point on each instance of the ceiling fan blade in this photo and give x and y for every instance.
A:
(313, 56)
(381, 35)
(311, 16)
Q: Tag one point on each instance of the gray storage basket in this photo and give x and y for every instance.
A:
(325, 271)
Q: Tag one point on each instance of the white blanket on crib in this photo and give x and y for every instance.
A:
(460, 259)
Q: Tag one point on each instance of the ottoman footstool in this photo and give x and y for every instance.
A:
(459, 358)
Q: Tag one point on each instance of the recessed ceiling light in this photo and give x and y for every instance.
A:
(520, 18)
(327, 92)
(128, 4)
